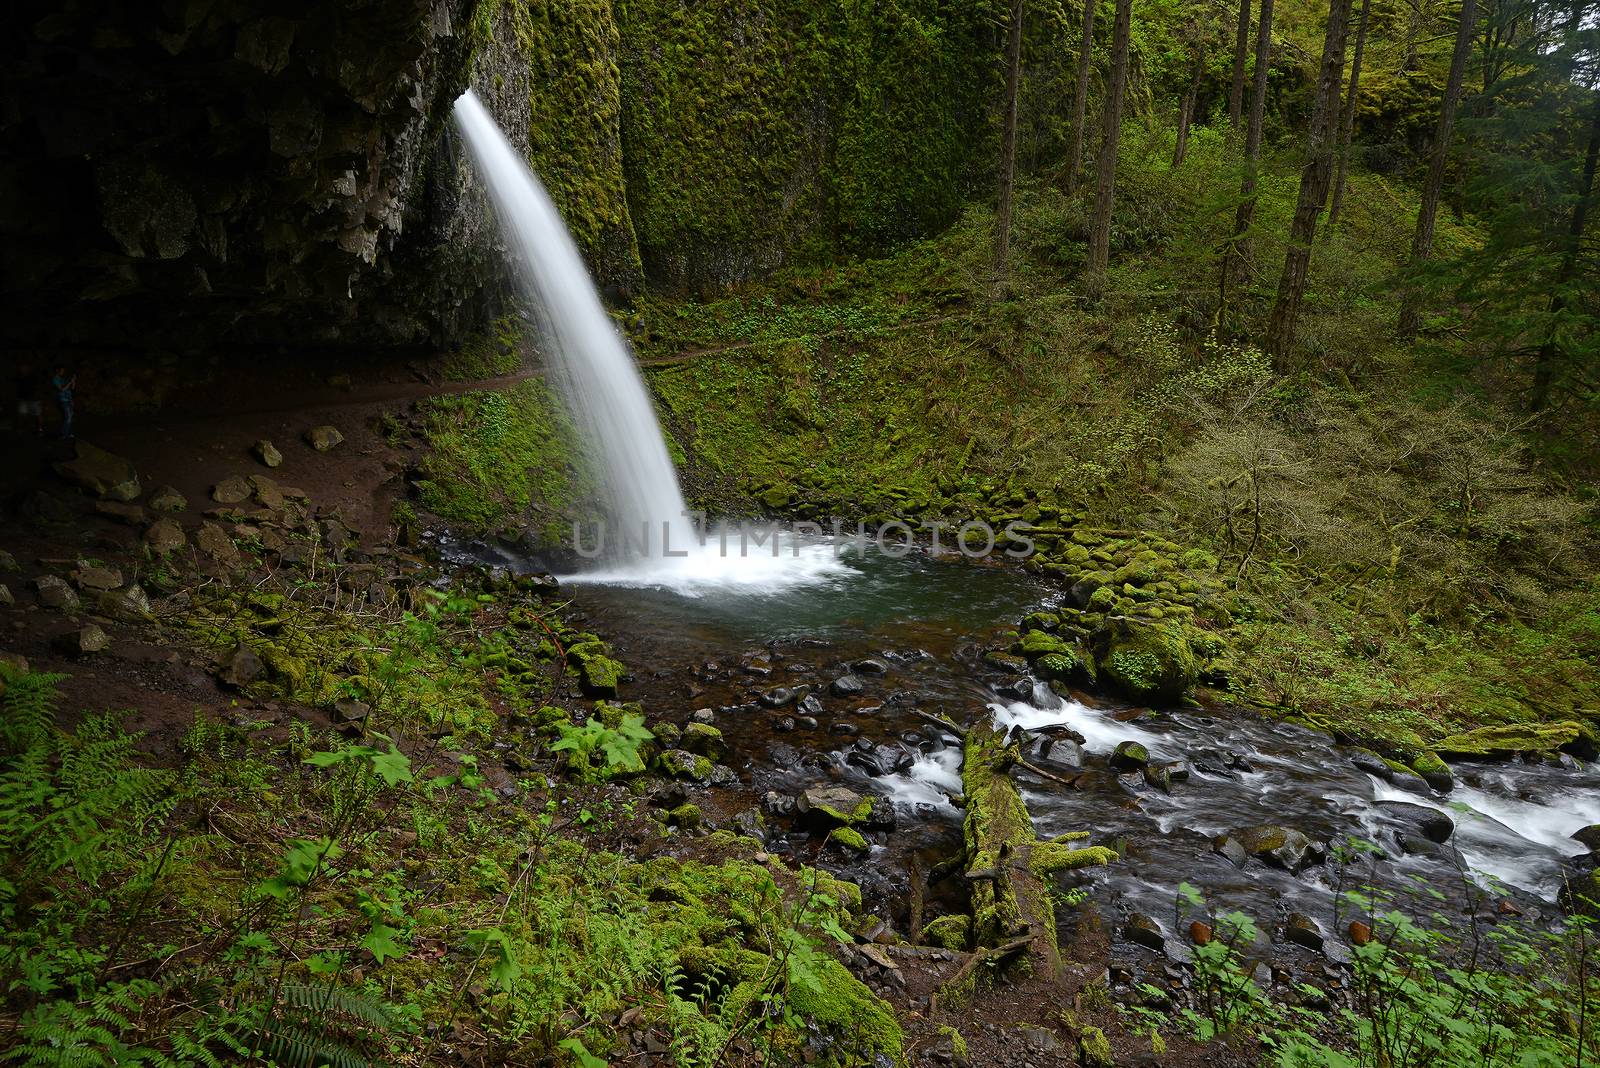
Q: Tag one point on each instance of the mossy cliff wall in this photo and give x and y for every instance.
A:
(759, 130)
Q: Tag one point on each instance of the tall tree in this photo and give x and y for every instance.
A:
(1187, 104)
(1422, 238)
(1544, 368)
(1315, 174)
(1347, 121)
(1008, 143)
(1241, 48)
(1244, 215)
(1106, 166)
(1080, 99)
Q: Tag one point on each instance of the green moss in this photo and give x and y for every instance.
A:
(598, 673)
(1152, 662)
(843, 1006)
(682, 764)
(686, 816)
(1037, 643)
(958, 1044)
(495, 457)
(953, 931)
(849, 838)
(1094, 1050)
(1511, 738)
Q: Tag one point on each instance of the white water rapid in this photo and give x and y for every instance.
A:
(649, 537)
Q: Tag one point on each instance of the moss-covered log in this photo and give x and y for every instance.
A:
(1008, 867)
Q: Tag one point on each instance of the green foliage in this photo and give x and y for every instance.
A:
(618, 748)
(498, 456)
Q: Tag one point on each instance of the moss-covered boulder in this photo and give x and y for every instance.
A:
(598, 673)
(1036, 643)
(1508, 739)
(841, 1005)
(1150, 662)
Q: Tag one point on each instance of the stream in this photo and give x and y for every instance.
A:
(813, 672)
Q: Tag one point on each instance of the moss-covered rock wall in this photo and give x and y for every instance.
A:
(756, 131)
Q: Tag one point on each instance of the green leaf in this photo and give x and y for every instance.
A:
(380, 942)
(581, 1054)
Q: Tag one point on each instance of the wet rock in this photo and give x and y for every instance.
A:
(231, 490)
(53, 592)
(164, 536)
(167, 499)
(266, 492)
(848, 730)
(598, 674)
(831, 806)
(1128, 756)
(214, 542)
(704, 739)
(268, 453)
(1419, 820)
(1159, 776)
(682, 764)
(1062, 753)
(129, 604)
(748, 822)
(784, 725)
(242, 667)
(702, 715)
(7, 599)
(871, 666)
(778, 805)
(777, 697)
(8, 563)
(1302, 930)
(87, 641)
(348, 711)
(810, 705)
(1143, 931)
(100, 473)
(96, 578)
(324, 438)
(1281, 847)
(1017, 689)
(131, 514)
(1006, 662)
(1588, 836)
(846, 686)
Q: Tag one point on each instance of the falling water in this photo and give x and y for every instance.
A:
(650, 538)
(589, 359)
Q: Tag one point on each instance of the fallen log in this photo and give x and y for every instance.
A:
(1008, 868)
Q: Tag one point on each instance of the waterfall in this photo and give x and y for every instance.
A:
(650, 539)
(588, 359)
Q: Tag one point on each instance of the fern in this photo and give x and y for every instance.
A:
(317, 1024)
(30, 708)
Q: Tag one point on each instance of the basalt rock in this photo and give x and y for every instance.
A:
(99, 472)
(54, 593)
(164, 536)
(324, 438)
(1281, 847)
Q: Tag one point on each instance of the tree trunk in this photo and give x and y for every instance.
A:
(1106, 166)
(1347, 122)
(1422, 239)
(1544, 370)
(1008, 869)
(1080, 99)
(1233, 251)
(1186, 112)
(1008, 144)
(1241, 47)
(1314, 177)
